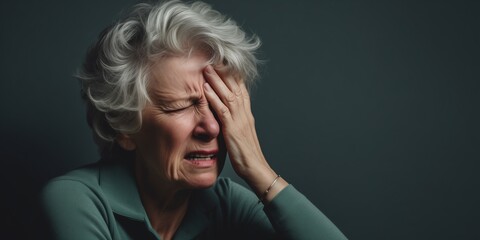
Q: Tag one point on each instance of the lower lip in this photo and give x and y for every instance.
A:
(203, 163)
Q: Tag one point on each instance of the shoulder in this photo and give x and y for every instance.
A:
(73, 204)
(72, 190)
(77, 181)
(74, 194)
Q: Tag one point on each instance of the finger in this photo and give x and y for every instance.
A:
(230, 80)
(245, 94)
(219, 85)
(216, 103)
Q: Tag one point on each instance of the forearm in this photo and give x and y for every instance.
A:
(293, 216)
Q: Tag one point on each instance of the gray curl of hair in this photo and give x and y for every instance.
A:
(114, 76)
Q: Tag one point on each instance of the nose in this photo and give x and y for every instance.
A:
(207, 127)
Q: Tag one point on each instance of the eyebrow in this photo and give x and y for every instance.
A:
(188, 98)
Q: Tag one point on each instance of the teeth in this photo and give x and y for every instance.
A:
(199, 157)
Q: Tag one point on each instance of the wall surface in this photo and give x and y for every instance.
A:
(370, 108)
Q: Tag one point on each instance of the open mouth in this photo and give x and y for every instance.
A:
(200, 157)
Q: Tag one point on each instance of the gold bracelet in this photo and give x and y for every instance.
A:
(264, 195)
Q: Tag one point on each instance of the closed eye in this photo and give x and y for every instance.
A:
(177, 110)
(181, 107)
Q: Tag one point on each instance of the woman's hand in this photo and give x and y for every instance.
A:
(229, 98)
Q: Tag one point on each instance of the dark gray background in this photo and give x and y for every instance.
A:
(370, 108)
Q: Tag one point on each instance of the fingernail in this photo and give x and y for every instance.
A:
(207, 87)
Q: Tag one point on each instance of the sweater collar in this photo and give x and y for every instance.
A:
(118, 184)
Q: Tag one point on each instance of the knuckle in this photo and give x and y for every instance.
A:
(224, 111)
(231, 97)
(238, 92)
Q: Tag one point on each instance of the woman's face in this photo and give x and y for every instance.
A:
(179, 140)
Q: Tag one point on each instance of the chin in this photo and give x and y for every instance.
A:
(204, 180)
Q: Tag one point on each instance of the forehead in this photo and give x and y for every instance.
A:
(177, 76)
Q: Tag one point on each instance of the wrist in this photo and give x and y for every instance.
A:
(263, 196)
(272, 192)
(265, 183)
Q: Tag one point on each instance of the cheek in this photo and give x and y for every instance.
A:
(172, 139)
(173, 146)
(161, 138)
(179, 130)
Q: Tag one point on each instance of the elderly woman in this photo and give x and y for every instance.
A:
(166, 94)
